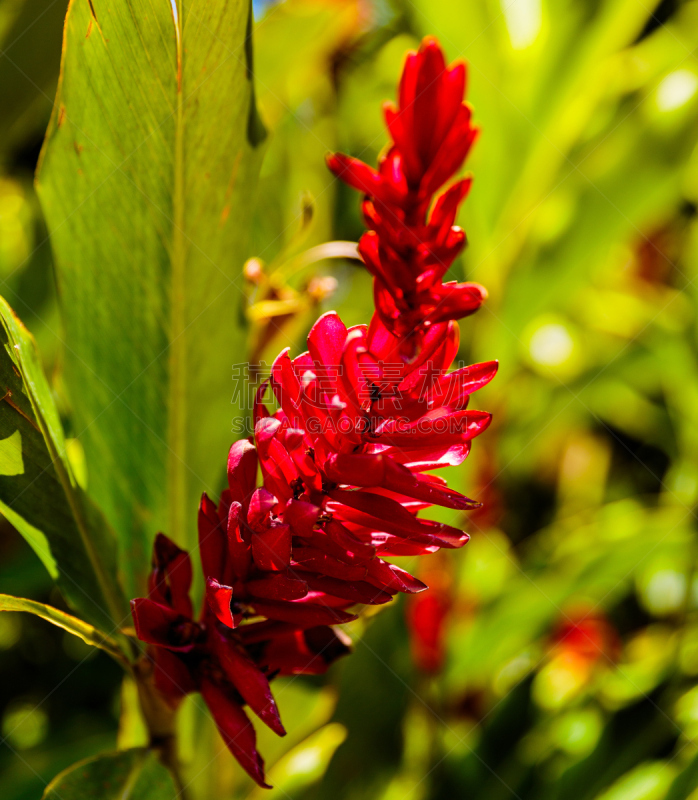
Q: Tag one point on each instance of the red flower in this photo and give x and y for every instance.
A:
(412, 241)
(366, 414)
(303, 571)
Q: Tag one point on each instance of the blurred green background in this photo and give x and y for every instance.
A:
(558, 654)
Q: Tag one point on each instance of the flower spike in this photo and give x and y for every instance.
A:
(364, 416)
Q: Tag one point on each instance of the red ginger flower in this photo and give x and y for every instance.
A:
(363, 416)
(409, 247)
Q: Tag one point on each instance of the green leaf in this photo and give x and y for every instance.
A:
(147, 181)
(77, 627)
(42, 499)
(685, 782)
(11, 461)
(127, 775)
(304, 764)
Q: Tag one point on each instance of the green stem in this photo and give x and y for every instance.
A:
(160, 719)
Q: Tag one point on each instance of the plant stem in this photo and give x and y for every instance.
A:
(160, 719)
(166, 748)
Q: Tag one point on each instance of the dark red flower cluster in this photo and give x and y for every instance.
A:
(345, 458)
(412, 240)
(585, 636)
(427, 617)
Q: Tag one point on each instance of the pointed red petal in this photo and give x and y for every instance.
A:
(211, 539)
(326, 340)
(277, 587)
(355, 173)
(456, 300)
(170, 580)
(286, 386)
(443, 215)
(453, 390)
(301, 516)
(356, 469)
(460, 426)
(261, 504)
(248, 679)
(242, 471)
(355, 591)
(236, 730)
(314, 560)
(399, 479)
(239, 552)
(390, 577)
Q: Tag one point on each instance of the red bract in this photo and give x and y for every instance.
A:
(412, 240)
(250, 566)
(346, 454)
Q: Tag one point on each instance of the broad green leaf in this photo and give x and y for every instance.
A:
(147, 181)
(89, 634)
(126, 775)
(38, 493)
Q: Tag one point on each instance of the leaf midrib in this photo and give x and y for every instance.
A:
(177, 432)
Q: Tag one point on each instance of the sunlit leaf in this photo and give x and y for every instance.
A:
(147, 181)
(77, 627)
(42, 499)
(646, 782)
